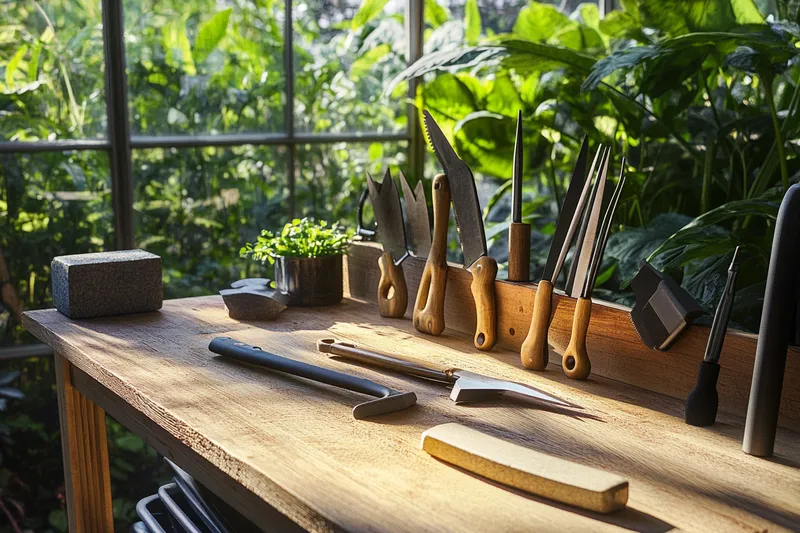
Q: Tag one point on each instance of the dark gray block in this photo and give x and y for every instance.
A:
(107, 283)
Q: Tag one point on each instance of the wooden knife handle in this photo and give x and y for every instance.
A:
(392, 291)
(526, 469)
(406, 365)
(519, 251)
(535, 352)
(484, 272)
(429, 307)
(575, 360)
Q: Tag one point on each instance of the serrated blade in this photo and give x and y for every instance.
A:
(587, 247)
(463, 193)
(388, 216)
(418, 219)
(567, 212)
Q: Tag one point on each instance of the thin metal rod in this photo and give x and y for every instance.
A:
(415, 25)
(261, 139)
(30, 147)
(24, 351)
(288, 67)
(119, 134)
(516, 177)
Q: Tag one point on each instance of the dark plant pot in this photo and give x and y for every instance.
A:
(310, 280)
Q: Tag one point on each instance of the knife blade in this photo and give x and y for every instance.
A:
(418, 222)
(567, 210)
(586, 247)
(535, 351)
(516, 176)
(469, 222)
(467, 386)
(575, 361)
(392, 290)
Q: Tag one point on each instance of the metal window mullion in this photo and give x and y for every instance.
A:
(29, 147)
(118, 126)
(288, 62)
(415, 25)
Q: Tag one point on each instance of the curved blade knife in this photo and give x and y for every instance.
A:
(392, 291)
(467, 386)
(471, 234)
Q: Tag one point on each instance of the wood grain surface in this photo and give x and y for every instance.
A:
(294, 444)
(615, 349)
(526, 469)
(84, 448)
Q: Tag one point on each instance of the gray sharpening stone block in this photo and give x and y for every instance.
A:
(107, 283)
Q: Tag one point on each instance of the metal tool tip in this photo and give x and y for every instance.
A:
(734, 265)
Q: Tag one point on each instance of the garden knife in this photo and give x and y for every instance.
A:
(392, 291)
(519, 233)
(471, 234)
(535, 351)
(575, 361)
(429, 307)
(418, 222)
(467, 386)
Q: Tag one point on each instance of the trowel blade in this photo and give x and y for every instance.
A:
(472, 387)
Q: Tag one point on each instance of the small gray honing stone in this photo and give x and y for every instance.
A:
(107, 283)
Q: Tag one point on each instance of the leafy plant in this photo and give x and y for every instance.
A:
(700, 97)
(301, 237)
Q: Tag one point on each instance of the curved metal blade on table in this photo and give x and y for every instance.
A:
(471, 387)
(418, 221)
(567, 211)
(576, 218)
(464, 195)
(388, 216)
(586, 248)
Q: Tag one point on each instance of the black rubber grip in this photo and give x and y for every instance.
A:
(702, 403)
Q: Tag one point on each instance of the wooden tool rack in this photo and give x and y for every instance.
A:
(288, 454)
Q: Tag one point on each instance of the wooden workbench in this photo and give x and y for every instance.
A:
(287, 452)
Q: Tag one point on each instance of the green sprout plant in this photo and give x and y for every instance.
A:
(302, 237)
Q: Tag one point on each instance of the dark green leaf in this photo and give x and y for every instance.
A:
(679, 17)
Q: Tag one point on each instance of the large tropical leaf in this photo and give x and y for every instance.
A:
(676, 52)
(366, 12)
(698, 229)
(210, 34)
(472, 22)
(538, 22)
(679, 17)
(485, 141)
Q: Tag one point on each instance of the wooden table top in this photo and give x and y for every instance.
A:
(295, 444)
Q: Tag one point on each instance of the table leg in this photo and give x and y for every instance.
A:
(85, 450)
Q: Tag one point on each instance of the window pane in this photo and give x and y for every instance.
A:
(204, 66)
(50, 204)
(331, 177)
(342, 65)
(197, 207)
(51, 54)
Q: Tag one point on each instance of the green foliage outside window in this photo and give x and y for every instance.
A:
(299, 238)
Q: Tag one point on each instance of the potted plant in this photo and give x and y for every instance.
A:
(308, 260)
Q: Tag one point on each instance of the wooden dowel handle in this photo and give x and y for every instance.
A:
(407, 365)
(535, 352)
(519, 251)
(575, 360)
(484, 272)
(429, 307)
(392, 291)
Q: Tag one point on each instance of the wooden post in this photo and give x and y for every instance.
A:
(85, 450)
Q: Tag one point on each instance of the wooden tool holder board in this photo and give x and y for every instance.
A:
(615, 349)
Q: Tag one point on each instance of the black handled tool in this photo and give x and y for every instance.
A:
(702, 402)
(388, 400)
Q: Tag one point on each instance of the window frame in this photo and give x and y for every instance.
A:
(119, 142)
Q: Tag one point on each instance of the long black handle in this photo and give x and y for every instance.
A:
(255, 355)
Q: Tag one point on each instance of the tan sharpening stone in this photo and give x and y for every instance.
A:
(526, 469)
